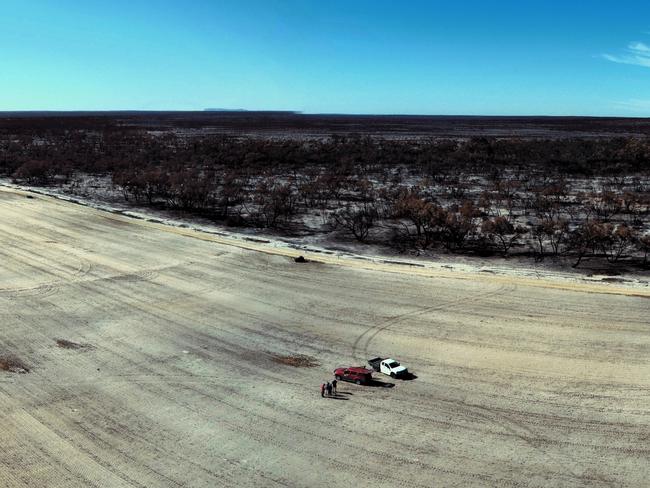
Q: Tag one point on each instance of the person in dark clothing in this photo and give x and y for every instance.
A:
(329, 388)
(322, 390)
(334, 383)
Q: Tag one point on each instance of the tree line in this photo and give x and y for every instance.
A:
(580, 198)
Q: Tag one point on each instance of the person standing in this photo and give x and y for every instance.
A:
(334, 383)
(322, 390)
(329, 388)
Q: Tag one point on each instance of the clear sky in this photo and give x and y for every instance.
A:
(520, 57)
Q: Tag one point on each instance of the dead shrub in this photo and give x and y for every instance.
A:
(12, 364)
(66, 344)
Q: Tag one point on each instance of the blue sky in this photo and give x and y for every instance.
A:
(331, 56)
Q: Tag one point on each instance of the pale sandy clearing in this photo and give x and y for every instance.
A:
(520, 382)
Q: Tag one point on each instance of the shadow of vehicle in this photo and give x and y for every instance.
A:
(382, 384)
(407, 377)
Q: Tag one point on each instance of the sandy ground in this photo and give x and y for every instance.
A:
(173, 382)
(320, 246)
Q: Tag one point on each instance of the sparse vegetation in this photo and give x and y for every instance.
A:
(567, 199)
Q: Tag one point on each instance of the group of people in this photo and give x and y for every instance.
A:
(329, 388)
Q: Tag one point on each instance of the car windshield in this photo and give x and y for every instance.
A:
(393, 364)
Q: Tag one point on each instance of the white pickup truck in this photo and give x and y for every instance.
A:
(389, 367)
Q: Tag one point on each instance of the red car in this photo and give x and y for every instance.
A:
(355, 374)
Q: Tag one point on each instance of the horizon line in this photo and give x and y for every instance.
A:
(302, 113)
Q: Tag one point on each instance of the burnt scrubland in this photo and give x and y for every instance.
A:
(142, 352)
(566, 191)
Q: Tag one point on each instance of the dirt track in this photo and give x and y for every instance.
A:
(169, 378)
